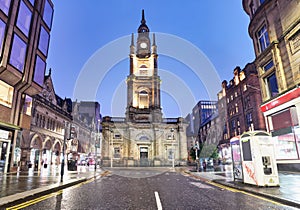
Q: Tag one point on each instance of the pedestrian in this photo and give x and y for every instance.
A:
(204, 165)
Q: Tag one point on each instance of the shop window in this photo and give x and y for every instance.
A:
(18, 53)
(4, 6)
(6, 94)
(285, 146)
(24, 18)
(272, 86)
(44, 41)
(27, 105)
(39, 71)
(2, 32)
(48, 13)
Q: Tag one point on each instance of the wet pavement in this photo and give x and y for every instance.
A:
(23, 184)
(20, 185)
(288, 192)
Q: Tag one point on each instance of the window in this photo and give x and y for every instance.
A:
(6, 94)
(4, 6)
(236, 108)
(18, 53)
(261, 1)
(31, 2)
(263, 38)
(2, 32)
(272, 85)
(269, 65)
(117, 136)
(24, 18)
(27, 105)
(249, 120)
(245, 87)
(235, 94)
(117, 153)
(39, 71)
(143, 100)
(48, 12)
(44, 41)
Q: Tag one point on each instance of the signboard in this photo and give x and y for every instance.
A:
(4, 134)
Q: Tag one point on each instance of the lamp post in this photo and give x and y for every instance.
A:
(112, 148)
(173, 149)
(63, 154)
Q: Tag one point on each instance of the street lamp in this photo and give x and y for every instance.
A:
(96, 141)
(112, 148)
(63, 154)
(173, 149)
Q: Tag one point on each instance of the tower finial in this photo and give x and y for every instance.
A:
(143, 21)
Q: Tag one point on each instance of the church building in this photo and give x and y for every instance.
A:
(143, 137)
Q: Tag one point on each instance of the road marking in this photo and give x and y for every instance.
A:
(158, 203)
(39, 199)
(246, 193)
(200, 185)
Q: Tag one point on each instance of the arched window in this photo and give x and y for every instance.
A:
(143, 99)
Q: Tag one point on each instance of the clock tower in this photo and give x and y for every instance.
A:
(143, 82)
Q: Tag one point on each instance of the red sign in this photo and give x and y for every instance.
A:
(281, 100)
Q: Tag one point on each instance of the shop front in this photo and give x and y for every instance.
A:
(282, 118)
(9, 162)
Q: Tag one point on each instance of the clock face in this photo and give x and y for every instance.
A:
(143, 45)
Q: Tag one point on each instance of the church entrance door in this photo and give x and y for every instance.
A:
(144, 156)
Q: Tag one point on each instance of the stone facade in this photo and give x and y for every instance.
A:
(275, 30)
(42, 142)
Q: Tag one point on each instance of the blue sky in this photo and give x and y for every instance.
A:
(219, 29)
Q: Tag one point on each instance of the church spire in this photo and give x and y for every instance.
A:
(143, 21)
(143, 27)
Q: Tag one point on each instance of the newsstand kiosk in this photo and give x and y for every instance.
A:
(258, 159)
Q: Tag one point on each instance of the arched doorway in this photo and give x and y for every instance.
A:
(56, 150)
(35, 152)
(46, 157)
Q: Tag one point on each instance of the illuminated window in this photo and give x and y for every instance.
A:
(39, 71)
(44, 41)
(24, 18)
(48, 13)
(143, 99)
(4, 6)
(18, 53)
(2, 30)
(263, 38)
(236, 108)
(6, 94)
(27, 105)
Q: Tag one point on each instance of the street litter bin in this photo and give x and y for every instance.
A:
(258, 159)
